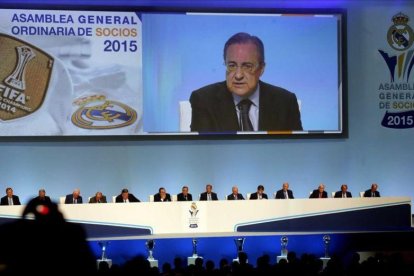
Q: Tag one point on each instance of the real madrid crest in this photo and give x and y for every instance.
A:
(96, 112)
(400, 36)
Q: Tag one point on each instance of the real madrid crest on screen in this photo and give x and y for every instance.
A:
(24, 77)
(400, 35)
(96, 112)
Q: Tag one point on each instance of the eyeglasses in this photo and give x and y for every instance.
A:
(244, 67)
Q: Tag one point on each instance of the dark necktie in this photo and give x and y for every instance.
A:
(244, 107)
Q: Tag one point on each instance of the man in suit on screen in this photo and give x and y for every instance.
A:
(243, 102)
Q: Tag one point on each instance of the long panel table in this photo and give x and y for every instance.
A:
(243, 217)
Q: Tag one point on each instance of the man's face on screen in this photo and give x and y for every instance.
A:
(243, 69)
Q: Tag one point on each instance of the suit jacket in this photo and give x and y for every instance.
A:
(39, 200)
(256, 196)
(203, 196)
(368, 193)
(231, 197)
(180, 197)
(93, 199)
(131, 198)
(157, 197)
(281, 195)
(5, 200)
(315, 194)
(69, 199)
(338, 194)
(213, 109)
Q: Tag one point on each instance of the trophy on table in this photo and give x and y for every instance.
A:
(326, 242)
(239, 242)
(283, 249)
(103, 245)
(194, 242)
(283, 246)
(150, 244)
(191, 260)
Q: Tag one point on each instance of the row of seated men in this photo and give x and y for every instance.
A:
(163, 196)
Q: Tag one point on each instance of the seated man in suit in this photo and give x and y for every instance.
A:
(235, 195)
(343, 193)
(10, 198)
(208, 194)
(98, 198)
(320, 192)
(260, 194)
(126, 197)
(74, 198)
(243, 102)
(162, 196)
(373, 191)
(284, 193)
(184, 195)
(42, 197)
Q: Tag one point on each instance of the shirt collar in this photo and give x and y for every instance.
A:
(254, 97)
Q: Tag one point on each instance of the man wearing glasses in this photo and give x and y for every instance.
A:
(243, 102)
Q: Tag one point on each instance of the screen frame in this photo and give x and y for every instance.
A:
(343, 98)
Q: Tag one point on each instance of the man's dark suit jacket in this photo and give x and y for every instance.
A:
(69, 199)
(93, 199)
(281, 195)
(213, 109)
(255, 196)
(5, 200)
(231, 197)
(203, 196)
(180, 197)
(315, 194)
(368, 193)
(157, 197)
(131, 198)
(338, 194)
(44, 200)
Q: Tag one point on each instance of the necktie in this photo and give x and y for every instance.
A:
(286, 196)
(343, 195)
(320, 195)
(235, 197)
(10, 201)
(373, 194)
(185, 198)
(209, 197)
(244, 107)
(124, 200)
(74, 201)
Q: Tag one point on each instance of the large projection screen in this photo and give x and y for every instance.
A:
(130, 74)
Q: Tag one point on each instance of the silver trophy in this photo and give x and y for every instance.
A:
(17, 78)
(283, 246)
(194, 242)
(239, 244)
(326, 242)
(103, 245)
(150, 244)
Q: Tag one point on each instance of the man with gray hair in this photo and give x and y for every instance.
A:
(74, 198)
